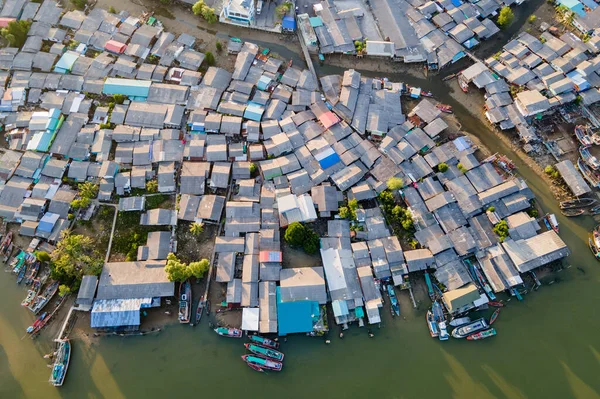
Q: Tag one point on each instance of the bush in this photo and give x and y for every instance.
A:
(501, 229)
(152, 186)
(16, 33)
(295, 234)
(204, 11)
(506, 17)
(253, 168)
(209, 58)
(112, 10)
(63, 290)
(282, 9)
(443, 167)
(311, 243)
(119, 99)
(491, 209)
(197, 228)
(199, 269)
(533, 212)
(75, 255)
(461, 168)
(79, 4)
(531, 19)
(395, 183)
(344, 212)
(219, 46)
(42, 256)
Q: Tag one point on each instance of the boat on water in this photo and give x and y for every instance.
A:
(9, 251)
(582, 136)
(433, 327)
(494, 316)
(443, 331)
(588, 158)
(37, 323)
(268, 364)
(575, 212)
(482, 335)
(577, 203)
(229, 332)
(21, 274)
(200, 309)
(40, 301)
(255, 367)
(594, 242)
(464, 85)
(551, 222)
(266, 342)
(444, 108)
(5, 244)
(30, 295)
(496, 304)
(592, 176)
(438, 311)
(393, 300)
(61, 364)
(459, 321)
(185, 301)
(263, 351)
(469, 329)
(32, 273)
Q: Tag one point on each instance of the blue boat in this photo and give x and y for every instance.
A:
(61, 364)
(429, 286)
(432, 325)
(393, 300)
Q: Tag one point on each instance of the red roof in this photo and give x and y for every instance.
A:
(4, 22)
(328, 119)
(115, 47)
(270, 256)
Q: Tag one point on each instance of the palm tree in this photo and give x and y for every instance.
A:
(197, 228)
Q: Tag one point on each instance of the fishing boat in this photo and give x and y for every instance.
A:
(263, 363)
(32, 272)
(262, 351)
(426, 93)
(9, 251)
(588, 158)
(433, 327)
(594, 242)
(496, 304)
(37, 323)
(482, 335)
(582, 136)
(479, 278)
(229, 332)
(593, 177)
(30, 295)
(208, 306)
(21, 274)
(61, 364)
(469, 329)
(451, 76)
(464, 85)
(444, 108)
(393, 300)
(577, 203)
(199, 310)
(575, 212)
(494, 316)
(443, 331)
(438, 312)
(459, 321)
(429, 286)
(255, 367)
(595, 138)
(41, 300)
(5, 244)
(551, 222)
(185, 301)
(269, 343)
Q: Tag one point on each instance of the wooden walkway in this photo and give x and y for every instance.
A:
(309, 62)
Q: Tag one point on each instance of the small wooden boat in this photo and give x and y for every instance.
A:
(444, 108)
(262, 351)
(425, 93)
(61, 364)
(582, 136)
(42, 300)
(32, 272)
(464, 85)
(9, 251)
(37, 323)
(551, 222)
(443, 331)
(496, 304)
(446, 78)
(577, 203)
(459, 321)
(255, 367)
(200, 310)
(185, 301)
(269, 343)
(494, 316)
(229, 332)
(594, 242)
(574, 212)
(208, 306)
(5, 244)
(433, 327)
(482, 335)
(30, 295)
(469, 329)
(263, 363)
(22, 272)
(393, 300)
(588, 158)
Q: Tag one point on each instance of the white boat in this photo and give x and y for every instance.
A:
(443, 331)
(459, 321)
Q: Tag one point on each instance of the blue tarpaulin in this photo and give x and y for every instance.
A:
(288, 23)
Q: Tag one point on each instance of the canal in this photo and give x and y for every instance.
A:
(547, 346)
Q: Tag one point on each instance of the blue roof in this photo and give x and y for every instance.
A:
(591, 4)
(128, 87)
(579, 81)
(573, 5)
(254, 111)
(47, 222)
(295, 317)
(456, 3)
(329, 160)
(65, 63)
(288, 23)
(315, 21)
(118, 312)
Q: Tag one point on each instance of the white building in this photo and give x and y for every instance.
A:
(239, 12)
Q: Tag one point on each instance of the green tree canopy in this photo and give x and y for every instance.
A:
(16, 33)
(501, 228)
(506, 17)
(344, 212)
(178, 271)
(207, 13)
(42, 256)
(197, 228)
(295, 234)
(395, 183)
(75, 255)
(199, 269)
(63, 290)
(443, 167)
(209, 58)
(152, 186)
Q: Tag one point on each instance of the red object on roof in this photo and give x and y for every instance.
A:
(328, 119)
(115, 47)
(270, 256)
(5, 21)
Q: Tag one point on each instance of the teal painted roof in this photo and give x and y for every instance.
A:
(127, 87)
(295, 317)
(65, 63)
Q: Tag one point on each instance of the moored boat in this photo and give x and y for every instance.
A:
(200, 310)
(5, 244)
(263, 363)
(577, 203)
(61, 364)
(32, 272)
(30, 295)
(393, 300)
(269, 343)
(588, 158)
(21, 274)
(444, 108)
(582, 136)
(469, 329)
(494, 316)
(464, 85)
(594, 242)
(37, 323)
(496, 304)
(262, 351)
(185, 301)
(592, 176)
(40, 301)
(229, 332)
(438, 311)
(443, 331)
(482, 334)
(433, 328)
(459, 321)
(551, 222)
(574, 212)
(255, 367)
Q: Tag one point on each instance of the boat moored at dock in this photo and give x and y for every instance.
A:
(263, 363)
(494, 316)
(482, 335)
(266, 342)
(229, 332)
(61, 363)
(443, 331)
(551, 222)
(577, 203)
(185, 302)
(459, 321)
(594, 242)
(469, 329)
(262, 351)
(433, 328)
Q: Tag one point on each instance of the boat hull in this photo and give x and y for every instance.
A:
(482, 335)
(470, 329)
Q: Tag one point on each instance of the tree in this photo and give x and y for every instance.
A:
(119, 98)
(197, 228)
(282, 9)
(501, 228)
(443, 167)
(344, 212)
(295, 234)
(63, 290)
(42, 256)
(79, 4)
(253, 168)
(88, 190)
(395, 183)
(461, 168)
(152, 186)
(219, 46)
(112, 10)
(16, 33)
(531, 19)
(491, 209)
(75, 255)
(198, 7)
(81, 203)
(208, 14)
(506, 17)
(311, 243)
(199, 269)
(209, 58)
(177, 270)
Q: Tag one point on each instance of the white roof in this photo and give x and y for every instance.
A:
(250, 319)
